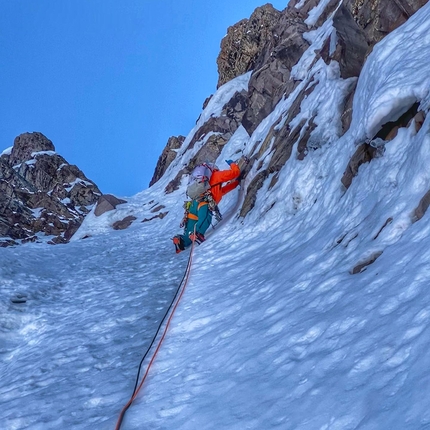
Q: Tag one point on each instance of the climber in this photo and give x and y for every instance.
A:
(204, 201)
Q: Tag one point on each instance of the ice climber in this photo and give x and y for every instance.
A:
(206, 189)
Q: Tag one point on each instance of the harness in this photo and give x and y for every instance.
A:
(205, 199)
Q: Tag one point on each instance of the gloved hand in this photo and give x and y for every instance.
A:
(229, 162)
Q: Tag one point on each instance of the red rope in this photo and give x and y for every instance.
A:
(128, 404)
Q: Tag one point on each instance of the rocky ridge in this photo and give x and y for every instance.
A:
(40, 193)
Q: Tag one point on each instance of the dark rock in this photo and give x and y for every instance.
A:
(367, 262)
(306, 8)
(7, 242)
(71, 229)
(422, 207)
(363, 154)
(303, 143)
(244, 43)
(166, 157)
(206, 102)
(107, 202)
(58, 240)
(389, 129)
(26, 144)
(346, 117)
(220, 125)
(351, 44)
(220, 129)
(386, 223)
(19, 298)
(379, 17)
(161, 215)
(235, 109)
(270, 80)
(173, 185)
(124, 223)
(251, 193)
(157, 208)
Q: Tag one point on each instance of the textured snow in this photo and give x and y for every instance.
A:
(35, 154)
(300, 4)
(316, 12)
(393, 79)
(273, 331)
(7, 151)
(316, 38)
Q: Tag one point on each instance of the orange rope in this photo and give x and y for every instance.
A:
(185, 281)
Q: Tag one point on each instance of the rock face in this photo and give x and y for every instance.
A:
(269, 44)
(107, 202)
(167, 156)
(215, 133)
(40, 193)
(377, 18)
(351, 44)
(244, 43)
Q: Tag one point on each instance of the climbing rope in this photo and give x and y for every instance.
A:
(170, 310)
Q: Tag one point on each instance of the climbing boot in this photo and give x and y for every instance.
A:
(197, 237)
(178, 241)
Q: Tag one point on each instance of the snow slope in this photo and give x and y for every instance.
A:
(273, 330)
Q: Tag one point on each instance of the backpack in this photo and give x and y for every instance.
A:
(199, 180)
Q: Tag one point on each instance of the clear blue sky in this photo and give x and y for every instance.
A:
(109, 81)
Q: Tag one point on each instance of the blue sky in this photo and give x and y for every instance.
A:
(109, 81)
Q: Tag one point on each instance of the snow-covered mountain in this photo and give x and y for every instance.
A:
(308, 306)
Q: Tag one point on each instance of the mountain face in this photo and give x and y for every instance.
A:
(308, 306)
(40, 193)
(269, 45)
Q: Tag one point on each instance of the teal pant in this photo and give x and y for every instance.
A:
(200, 218)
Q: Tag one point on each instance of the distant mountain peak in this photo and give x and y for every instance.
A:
(41, 193)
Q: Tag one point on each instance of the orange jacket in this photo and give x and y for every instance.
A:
(220, 176)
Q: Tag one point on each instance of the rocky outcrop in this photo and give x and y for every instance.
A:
(363, 154)
(215, 133)
(366, 152)
(377, 18)
(40, 193)
(422, 207)
(270, 43)
(350, 41)
(166, 157)
(271, 78)
(107, 202)
(244, 43)
(124, 223)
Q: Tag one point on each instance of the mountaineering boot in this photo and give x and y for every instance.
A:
(197, 237)
(178, 241)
